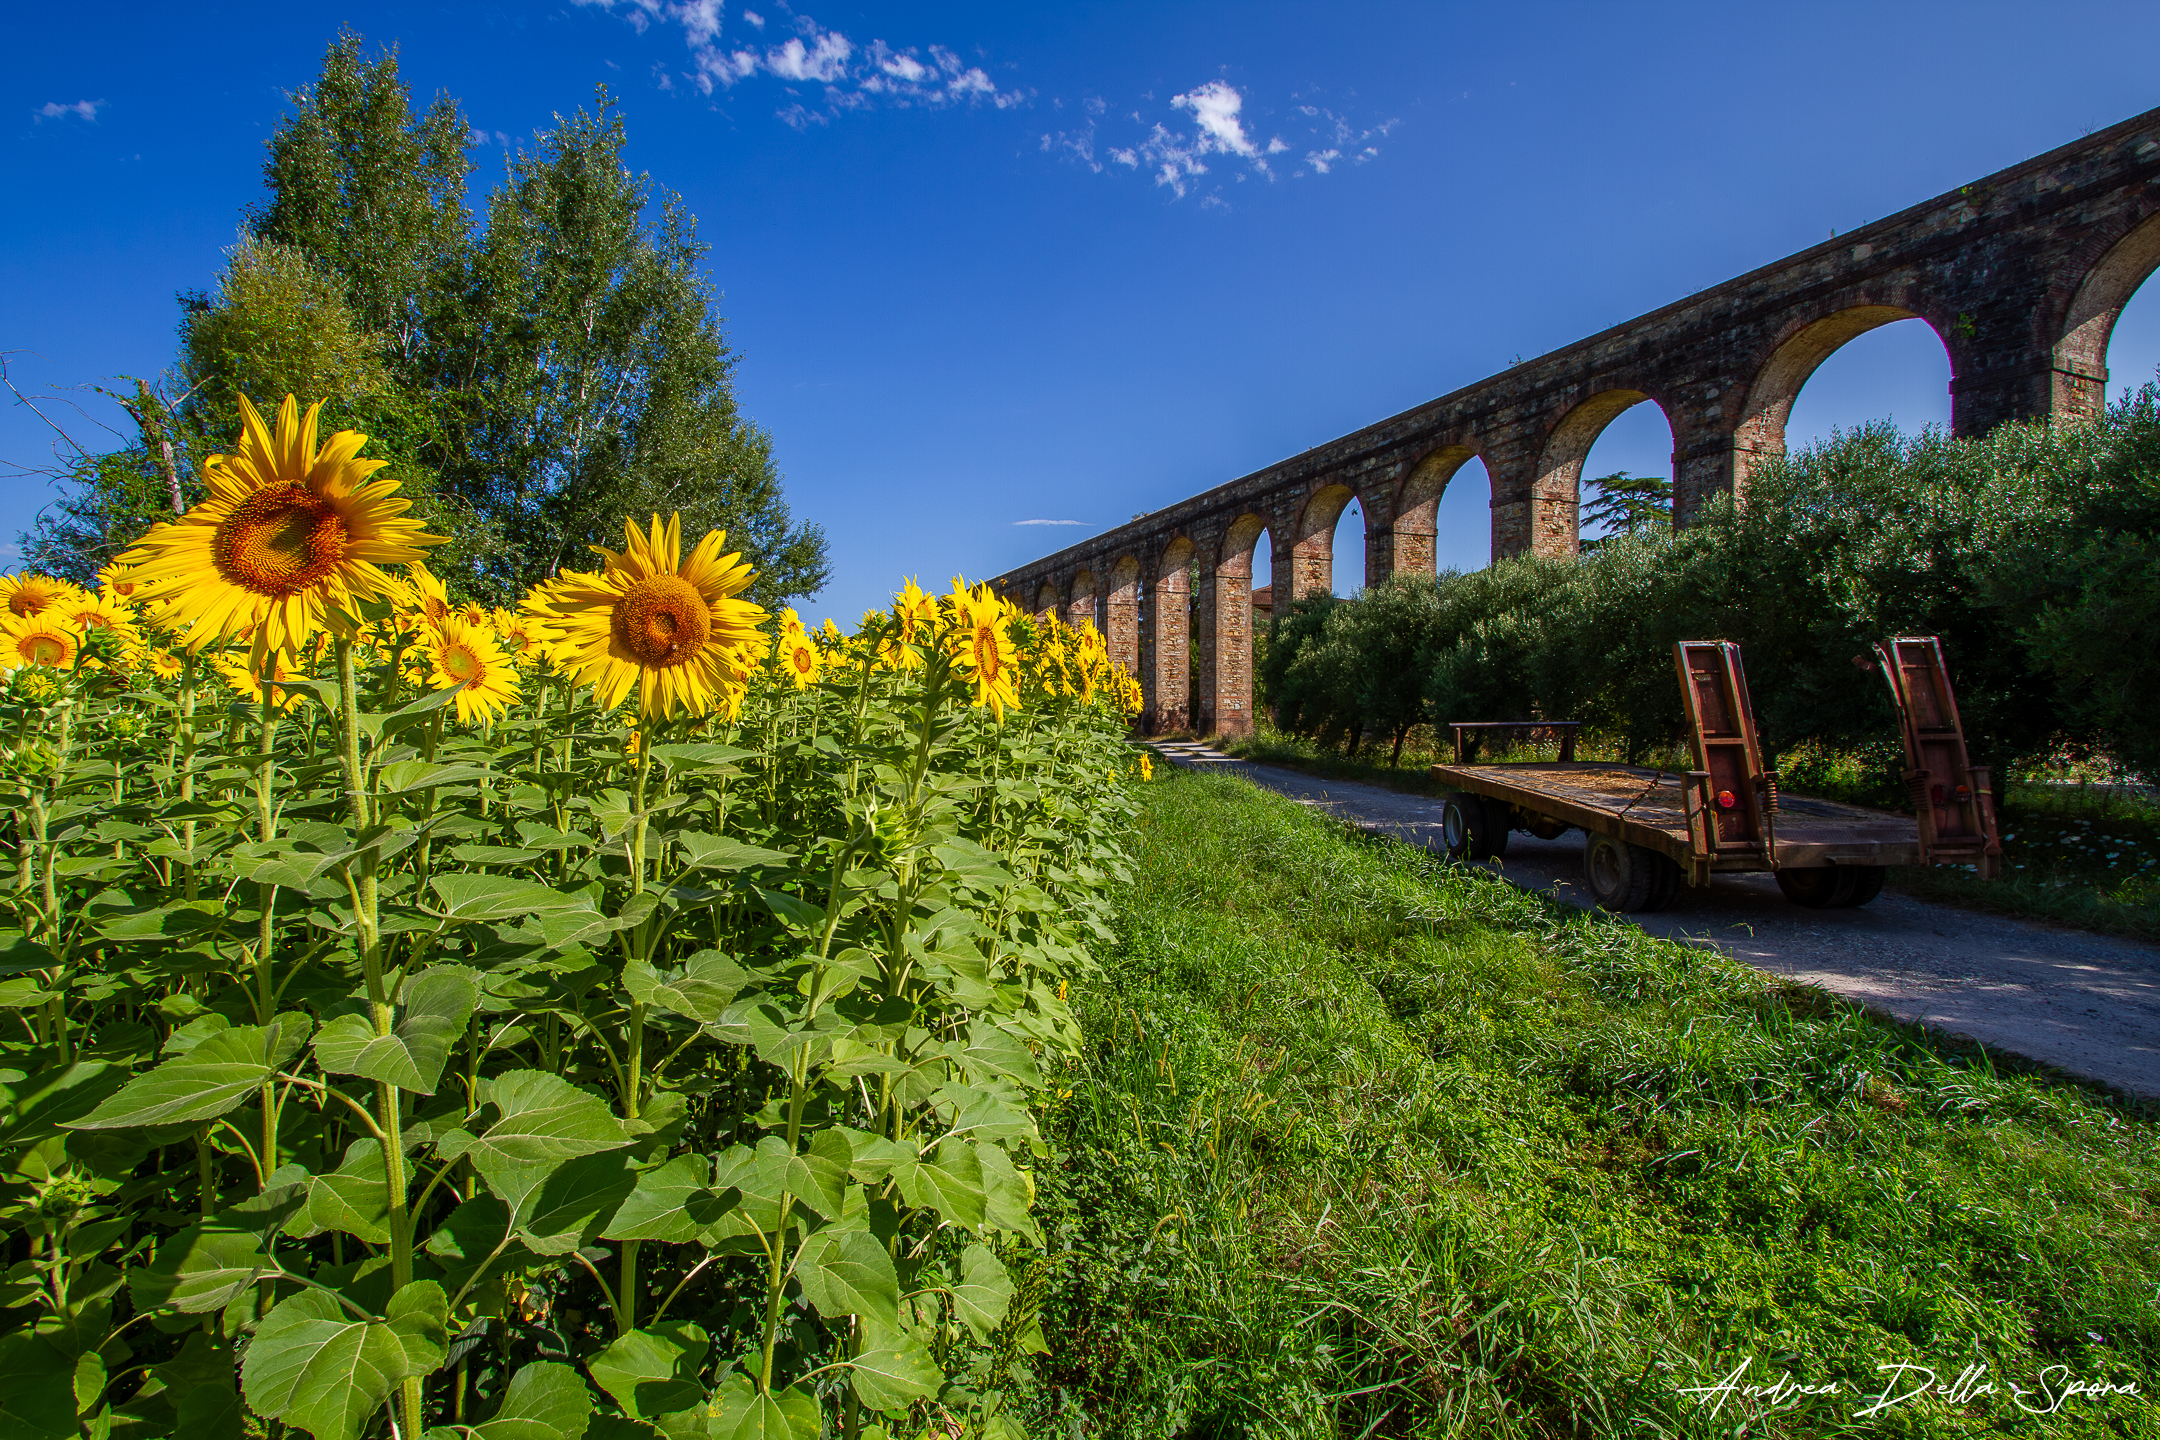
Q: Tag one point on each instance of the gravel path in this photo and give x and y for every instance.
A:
(2086, 1004)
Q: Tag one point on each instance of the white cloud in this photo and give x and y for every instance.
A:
(855, 77)
(1224, 128)
(1215, 105)
(824, 64)
(82, 109)
(1049, 522)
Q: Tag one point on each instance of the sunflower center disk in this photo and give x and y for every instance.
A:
(987, 659)
(280, 540)
(462, 665)
(661, 621)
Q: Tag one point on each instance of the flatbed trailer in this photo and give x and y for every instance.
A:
(1647, 832)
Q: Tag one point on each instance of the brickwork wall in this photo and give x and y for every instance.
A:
(2021, 273)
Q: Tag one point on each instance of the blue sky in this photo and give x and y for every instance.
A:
(993, 264)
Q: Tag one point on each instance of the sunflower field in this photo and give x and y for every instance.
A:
(627, 1016)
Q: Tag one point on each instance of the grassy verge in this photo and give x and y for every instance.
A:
(1371, 1145)
(2090, 859)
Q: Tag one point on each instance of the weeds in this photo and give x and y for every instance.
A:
(1367, 1144)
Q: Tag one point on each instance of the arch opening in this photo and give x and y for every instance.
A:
(1046, 600)
(1347, 560)
(1080, 613)
(1556, 494)
(2111, 335)
(1312, 549)
(1626, 484)
(1866, 363)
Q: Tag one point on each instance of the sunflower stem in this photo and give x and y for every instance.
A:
(266, 899)
(389, 1101)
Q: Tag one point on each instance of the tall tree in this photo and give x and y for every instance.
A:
(1627, 504)
(375, 195)
(593, 378)
(533, 381)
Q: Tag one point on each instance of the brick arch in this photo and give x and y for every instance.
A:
(1047, 599)
(1416, 522)
(1556, 492)
(1080, 610)
(2080, 350)
(1311, 556)
(1776, 384)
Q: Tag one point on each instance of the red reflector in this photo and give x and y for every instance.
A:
(1725, 799)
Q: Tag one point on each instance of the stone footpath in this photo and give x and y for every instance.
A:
(2085, 1004)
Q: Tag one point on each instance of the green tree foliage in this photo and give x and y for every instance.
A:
(533, 379)
(1625, 504)
(2033, 551)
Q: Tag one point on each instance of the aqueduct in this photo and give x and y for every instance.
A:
(2021, 275)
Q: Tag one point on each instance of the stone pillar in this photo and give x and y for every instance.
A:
(1165, 659)
(1080, 614)
(1122, 633)
(1223, 619)
(1379, 539)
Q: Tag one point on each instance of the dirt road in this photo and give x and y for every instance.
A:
(2086, 1004)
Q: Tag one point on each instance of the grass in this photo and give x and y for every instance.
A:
(2088, 857)
(1369, 1145)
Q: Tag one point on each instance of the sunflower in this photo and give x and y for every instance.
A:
(89, 613)
(291, 535)
(120, 582)
(38, 640)
(982, 646)
(467, 657)
(28, 594)
(161, 663)
(242, 677)
(425, 595)
(668, 625)
(799, 658)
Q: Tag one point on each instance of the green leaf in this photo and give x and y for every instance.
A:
(467, 896)
(211, 1412)
(949, 1182)
(741, 1413)
(200, 1269)
(818, 1176)
(672, 1202)
(37, 1390)
(984, 1293)
(434, 1006)
(558, 1205)
(1008, 1195)
(408, 775)
(699, 991)
(893, 1368)
(542, 1117)
(849, 1272)
(653, 1372)
(793, 911)
(355, 1198)
(691, 756)
(716, 852)
(214, 1077)
(545, 1400)
(314, 1365)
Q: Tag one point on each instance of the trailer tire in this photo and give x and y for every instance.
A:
(1468, 828)
(1820, 887)
(1669, 880)
(1622, 877)
(1867, 883)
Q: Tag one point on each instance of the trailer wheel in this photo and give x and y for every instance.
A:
(1622, 877)
(1867, 883)
(1821, 887)
(1468, 830)
(1669, 880)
